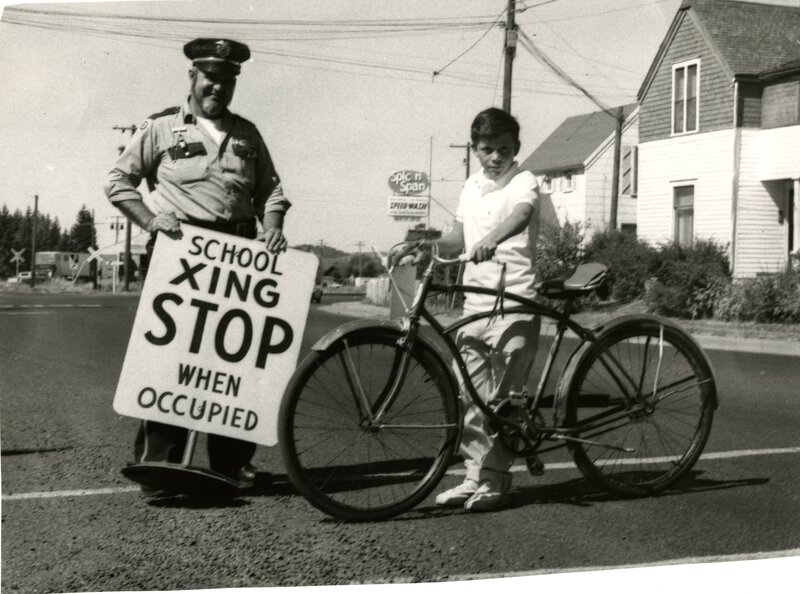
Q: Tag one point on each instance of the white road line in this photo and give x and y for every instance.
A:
(733, 558)
(75, 493)
(456, 471)
(51, 305)
(708, 456)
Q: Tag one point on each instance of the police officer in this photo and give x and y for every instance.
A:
(208, 167)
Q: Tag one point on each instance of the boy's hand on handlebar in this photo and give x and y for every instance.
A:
(410, 252)
(483, 250)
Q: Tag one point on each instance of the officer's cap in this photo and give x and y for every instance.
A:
(217, 56)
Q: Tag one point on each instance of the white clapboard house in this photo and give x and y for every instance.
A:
(575, 164)
(719, 133)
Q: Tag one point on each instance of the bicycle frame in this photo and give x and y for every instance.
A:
(418, 312)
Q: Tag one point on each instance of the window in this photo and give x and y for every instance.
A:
(685, 90)
(629, 173)
(567, 184)
(547, 185)
(683, 203)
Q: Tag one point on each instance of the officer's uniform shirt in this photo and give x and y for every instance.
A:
(193, 176)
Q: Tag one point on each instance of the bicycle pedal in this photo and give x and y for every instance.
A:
(535, 466)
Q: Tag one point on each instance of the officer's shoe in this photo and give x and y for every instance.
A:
(457, 496)
(247, 476)
(489, 495)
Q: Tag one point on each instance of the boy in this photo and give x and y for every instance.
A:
(495, 219)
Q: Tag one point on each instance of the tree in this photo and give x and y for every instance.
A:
(81, 235)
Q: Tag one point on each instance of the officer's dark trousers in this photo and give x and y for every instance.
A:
(157, 442)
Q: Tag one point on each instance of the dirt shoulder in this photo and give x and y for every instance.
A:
(780, 339)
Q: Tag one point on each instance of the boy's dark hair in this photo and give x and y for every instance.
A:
(493, 122)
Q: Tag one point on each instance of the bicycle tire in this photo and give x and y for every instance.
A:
(346, 469)
(667, 429)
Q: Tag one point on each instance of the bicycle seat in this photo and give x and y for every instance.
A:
(583, 280)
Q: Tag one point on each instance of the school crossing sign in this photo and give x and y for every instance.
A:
(217, 335)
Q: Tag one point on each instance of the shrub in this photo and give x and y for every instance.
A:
(765, 298)
(558, 250)
(689, 281)
(630, 261)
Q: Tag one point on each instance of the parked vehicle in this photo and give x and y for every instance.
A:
(316, 294)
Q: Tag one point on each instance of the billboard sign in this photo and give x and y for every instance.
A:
(408, 206)
(217, 335)
(409, 183)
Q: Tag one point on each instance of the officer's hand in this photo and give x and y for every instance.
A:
(274, 240)
(166, 221)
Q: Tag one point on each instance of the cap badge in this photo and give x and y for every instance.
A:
(223, 49)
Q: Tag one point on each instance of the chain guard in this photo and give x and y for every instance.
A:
(521, 445)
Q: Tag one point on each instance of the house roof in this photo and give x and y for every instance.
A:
(574, 141)
(748, 38)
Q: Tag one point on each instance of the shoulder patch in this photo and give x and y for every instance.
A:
(166, 112)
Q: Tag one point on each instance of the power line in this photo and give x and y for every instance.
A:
(528, 44)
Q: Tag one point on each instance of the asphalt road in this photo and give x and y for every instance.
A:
(72, 523)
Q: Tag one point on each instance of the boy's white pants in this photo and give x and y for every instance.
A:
(498, 358)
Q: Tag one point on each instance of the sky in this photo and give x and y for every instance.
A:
(343, 92)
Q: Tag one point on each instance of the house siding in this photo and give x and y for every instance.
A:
(761, 236)
(598, 186)
(702, 160)
(749, 104)
(715, 100)
(778, 154)
(781, 106)
(570, 206)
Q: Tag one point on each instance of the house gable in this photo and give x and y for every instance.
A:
(686, 42)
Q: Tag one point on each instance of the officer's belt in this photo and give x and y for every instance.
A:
(242, 228)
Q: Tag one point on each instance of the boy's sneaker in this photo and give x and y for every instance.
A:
(457, 496)
(489, 495)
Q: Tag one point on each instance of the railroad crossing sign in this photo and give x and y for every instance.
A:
(17, 257)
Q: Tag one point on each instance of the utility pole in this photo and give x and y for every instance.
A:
(430, 178)
(359, 244)
(467, 146)
(509, 49)
(321, 267)
(612, 218)
(128, 260)
(33, 240)
(93, 263)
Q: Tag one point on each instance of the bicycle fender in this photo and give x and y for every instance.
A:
(666, 322)
(569, 371)
(355, 326)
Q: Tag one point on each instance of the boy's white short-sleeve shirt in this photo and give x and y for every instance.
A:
(483, 205)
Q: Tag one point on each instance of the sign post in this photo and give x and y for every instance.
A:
(214, 343)
(17, 257)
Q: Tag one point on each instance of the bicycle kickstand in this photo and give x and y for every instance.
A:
(535, 465)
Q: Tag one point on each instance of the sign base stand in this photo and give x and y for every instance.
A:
(182, 478)
(179, 479)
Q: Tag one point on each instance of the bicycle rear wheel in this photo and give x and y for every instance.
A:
(342, 463)
(662, 412)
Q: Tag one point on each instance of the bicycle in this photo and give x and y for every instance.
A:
(370, 419)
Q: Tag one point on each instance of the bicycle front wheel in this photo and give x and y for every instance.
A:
(339, 455)
(643, 405)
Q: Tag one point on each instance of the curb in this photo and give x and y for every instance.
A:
(710, 342)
